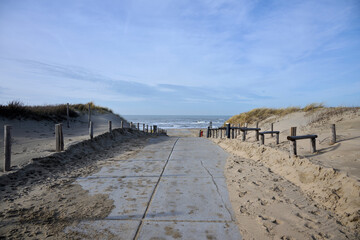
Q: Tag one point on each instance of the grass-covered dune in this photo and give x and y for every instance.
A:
(17, 110)
(260, 114)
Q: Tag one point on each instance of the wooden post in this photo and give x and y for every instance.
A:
(91, 130)
(244, 136)
(277, 138)
(262, 139)
(67, 115)
(147, 128)
(232, 133)
(239, 131)
(246, 125)
(138, 126)
(143, 127)
(257, 132)
(61, 138)
(208, 132)
(110, 127)
(57, 138)
(122, 124)
(228, 130)
(89, 116)
(272, 129)
(151, 129)
(131, 124)
(293, 151)
(313, 145)
(333, 134)
(7, 147)
(293, 131)
(221, 133)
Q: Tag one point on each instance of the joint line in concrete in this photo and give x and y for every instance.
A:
(217, 189)
(153, 192)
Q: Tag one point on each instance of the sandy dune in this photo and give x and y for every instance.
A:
(301, 192)
(31, 139)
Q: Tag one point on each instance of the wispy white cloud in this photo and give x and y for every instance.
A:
(210, 52)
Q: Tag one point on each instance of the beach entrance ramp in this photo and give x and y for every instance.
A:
(174, 188)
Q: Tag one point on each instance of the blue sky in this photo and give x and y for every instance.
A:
(180, 57)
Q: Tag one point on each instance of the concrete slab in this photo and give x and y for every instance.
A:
(104, 229)
(195, 199)
(189, 230)
(152, 154)
(130, 168)
(130, 195)
(196, 168)
(188, 201)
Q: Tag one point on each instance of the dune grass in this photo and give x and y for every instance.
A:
(260, 114)
(17, 110)
(85, 107)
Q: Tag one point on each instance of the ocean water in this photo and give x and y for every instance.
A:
(178, 121)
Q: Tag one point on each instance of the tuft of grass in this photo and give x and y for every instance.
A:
(259, 114)
(17, 110)
(312, 107)
(85, 108)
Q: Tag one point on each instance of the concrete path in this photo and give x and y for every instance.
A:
(173, 189)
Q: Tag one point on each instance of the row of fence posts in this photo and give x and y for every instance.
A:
(232, 132)
(59, 137)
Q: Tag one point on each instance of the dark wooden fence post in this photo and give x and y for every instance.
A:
(58, 137)
(143, 127)
(138, 126)
(147, 128)
(91, 130)
(7, 148)
(244, 136)
(262, 139)
(293, 131)
(257, 132)
(313, 145)
(333, 134)
(228, 130)
(61, 138)
(293, 151)
(277, 138)
(110, 127)
(208, 132)
(89, 116)
(272, 129)
(67, 115)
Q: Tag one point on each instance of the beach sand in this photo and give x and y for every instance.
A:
(33, 139)
(274, 196)
(310, 196)
(40, 199)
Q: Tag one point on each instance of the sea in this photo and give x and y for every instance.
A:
(178, 121)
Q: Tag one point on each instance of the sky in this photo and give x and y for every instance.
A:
(180, 57)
